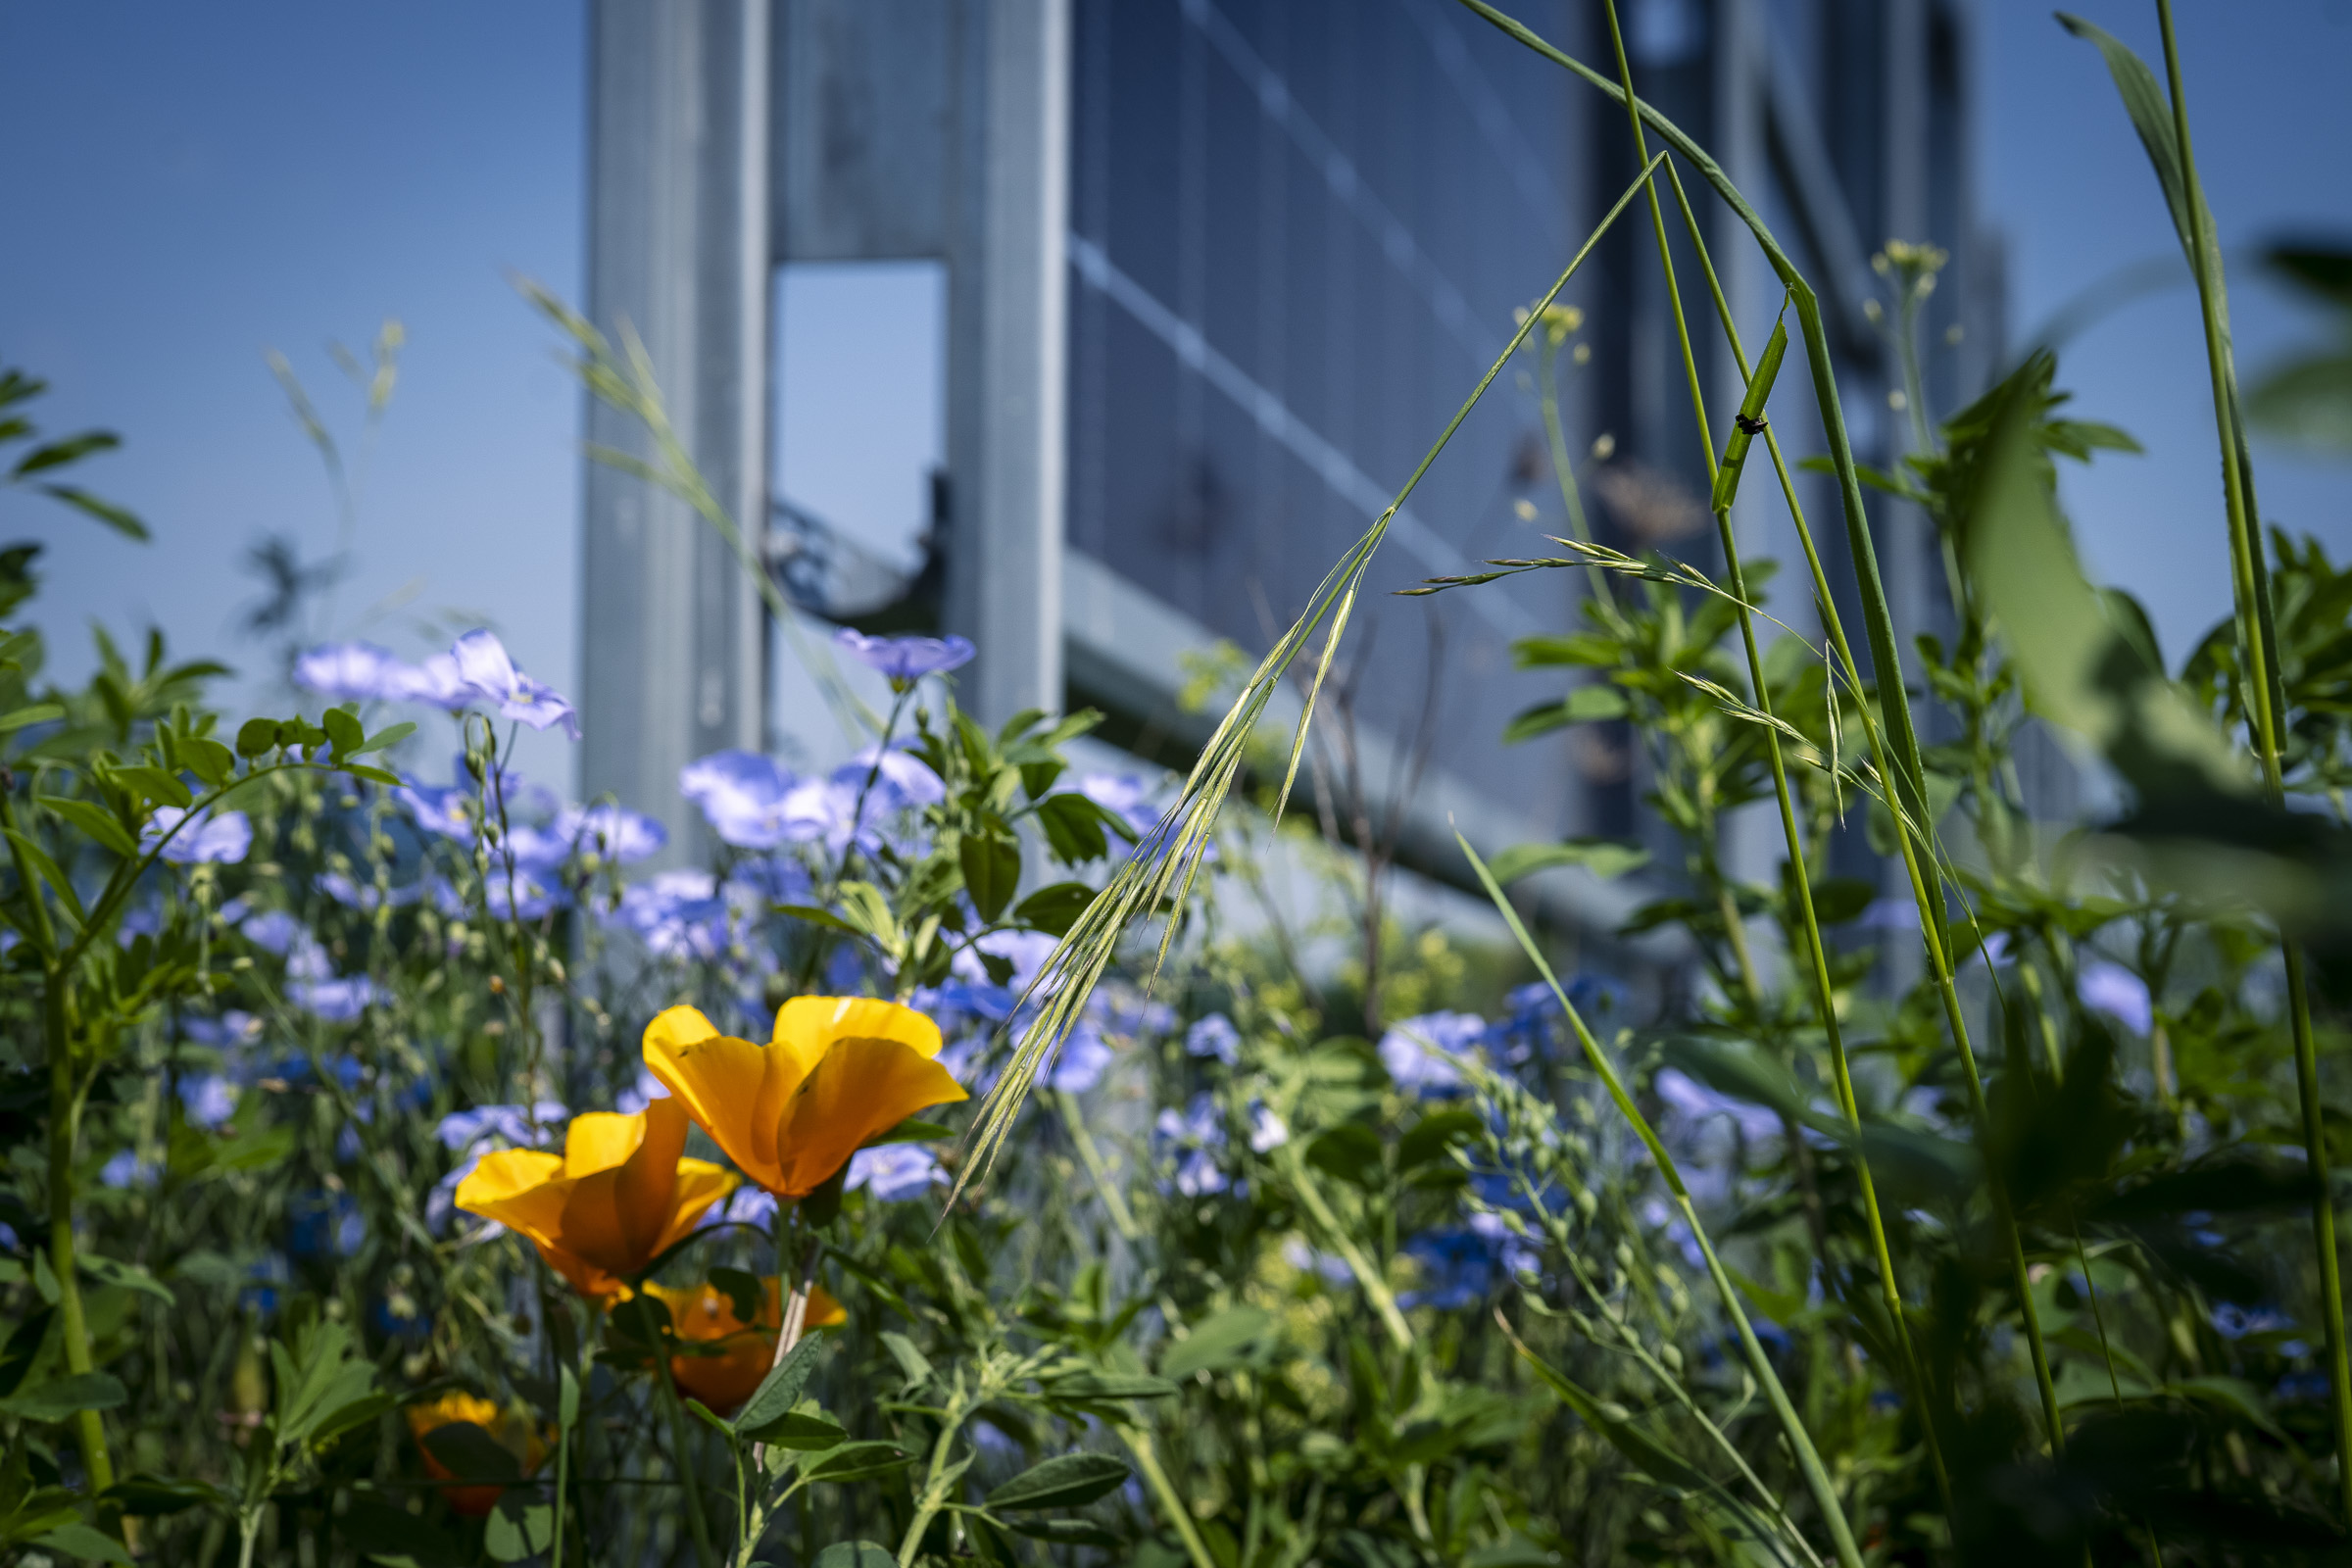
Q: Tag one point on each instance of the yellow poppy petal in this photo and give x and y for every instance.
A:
(520, 1188)
(862, 1088)
(648, 1183)
(600, 1140)
(824, 1312)
(809, 1026)
(700, 1184)
(720, 1081)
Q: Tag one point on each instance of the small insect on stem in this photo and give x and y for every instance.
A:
(1750, 423)
(1748, 426)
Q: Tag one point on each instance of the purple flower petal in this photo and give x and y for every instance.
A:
(904, 659)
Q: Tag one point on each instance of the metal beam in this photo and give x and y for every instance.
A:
(672, 635)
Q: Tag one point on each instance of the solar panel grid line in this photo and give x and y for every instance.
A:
(1274, 417)
(1275, 99)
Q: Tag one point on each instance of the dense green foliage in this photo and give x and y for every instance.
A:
(1990, 1220)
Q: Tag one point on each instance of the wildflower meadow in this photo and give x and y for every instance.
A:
(964, 1160)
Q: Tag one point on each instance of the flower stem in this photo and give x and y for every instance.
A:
(1138, 1443)
(695, 1521)
(2266, 719)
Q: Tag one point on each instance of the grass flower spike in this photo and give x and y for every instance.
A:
(736, 1354)
(612, 1203)
(791, 1113)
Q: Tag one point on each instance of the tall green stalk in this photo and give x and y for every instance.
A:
(1792, 1425)
(1817, 949)
(1897, 746)
(2266, 718)
(1842, 1070)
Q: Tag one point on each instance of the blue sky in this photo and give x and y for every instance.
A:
(190, 186)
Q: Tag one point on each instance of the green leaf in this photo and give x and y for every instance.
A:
(1055, 908)
(159, 1496)
(779, 1391)
(125, 1276)
(912, 1361)
(121, 519)
(388, 1534)
(97, 823)
(914, 1130)
(1429, 1138)
(2151, 111)
(1096, 1387)
(855, 1554)
(343, 731)
(470, 1453)
(154, 784)
(816, 917)
(802, 1433)
(38, 714)
(523, 1526)
(1221, 1340)
(373, 775)
(81, 1541)
(1067, 1481)
(47, 868)
(61, 1397)
(1605, 859)
(257, 737)
(208, 758)
(992, 870)
(1066, 1531)
(57, 454)
(1075, 827)
(854, 1462)
(392, 735)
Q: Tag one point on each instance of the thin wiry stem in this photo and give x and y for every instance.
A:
(1792, 1425)
(2266, 719)
(1159, 876)
(1897, 746)
(1891, 1291)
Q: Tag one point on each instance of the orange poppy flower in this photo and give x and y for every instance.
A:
(508, 1429)
(791, 1113)
(612, 1201)
(705, 1314)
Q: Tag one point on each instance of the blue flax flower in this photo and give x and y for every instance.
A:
(348, 672)
(895, 1172)
(220, 838)
(745, 796)
(2108, 987)
(1214, 1036)
(336, 1000)
(208, 1100)
(1419, 1052)
(483, 662)
(904, 660)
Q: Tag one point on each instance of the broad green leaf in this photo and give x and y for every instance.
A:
(85, 1542)
(257, 737)
(1067, 1481)
(855, 1554)
(391, 735)
(1607, 858)
(38, 714)
(914, 1130)
(57, 454)
(46, 869)
(519, 1528)
(1224, 1339)
(992, 870)
(388, 1534)
(1095, 1387)
(804, 1433)
(159, 1496)
(95, 821)
(59, 1397)
(373, 775)
(854, 1462)
(121, 519)
(208, 758)
(343, 731)
(470, 1453)
(154, 784)
(1055, 908)
(779, 1391)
